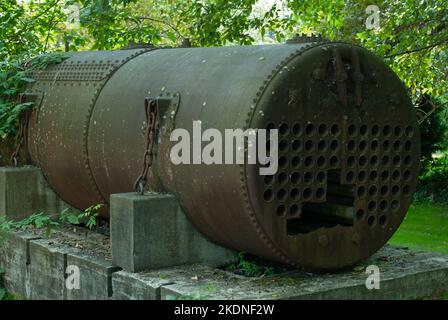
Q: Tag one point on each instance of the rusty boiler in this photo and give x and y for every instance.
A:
(348, 142)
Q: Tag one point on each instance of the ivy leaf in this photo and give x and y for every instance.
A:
(28, 80)
(172, 36)
(73, 219)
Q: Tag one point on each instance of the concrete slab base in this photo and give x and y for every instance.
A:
(404, 274)
(36, 269)
(150, 231)
(47, 266)
(137, 286)
(95, 281)
(14, 257)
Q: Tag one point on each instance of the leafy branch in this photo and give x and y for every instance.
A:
(163, 23)
(433, 45)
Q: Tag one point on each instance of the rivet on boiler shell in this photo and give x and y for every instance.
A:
(323, 240)
(355, 238)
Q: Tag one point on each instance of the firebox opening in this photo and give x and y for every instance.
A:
(336, 210)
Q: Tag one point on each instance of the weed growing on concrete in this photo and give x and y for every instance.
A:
(249, 268)
(34, 221)
(89, 217)
(210, 287)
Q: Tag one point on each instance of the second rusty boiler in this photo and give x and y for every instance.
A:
(348, 142)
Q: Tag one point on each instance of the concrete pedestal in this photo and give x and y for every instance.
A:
(151, 231)
(36, 269)
(24, 191)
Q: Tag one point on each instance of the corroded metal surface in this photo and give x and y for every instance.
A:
(59, 126)
(349, 142)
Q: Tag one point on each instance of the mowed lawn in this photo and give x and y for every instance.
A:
(425, 227)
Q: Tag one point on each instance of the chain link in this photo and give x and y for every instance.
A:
(152, 122)
(21, 137)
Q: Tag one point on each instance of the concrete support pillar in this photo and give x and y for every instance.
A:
(24, 191)
(150, 231)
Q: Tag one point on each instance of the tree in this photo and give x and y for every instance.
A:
(412, 34)
(434, 130)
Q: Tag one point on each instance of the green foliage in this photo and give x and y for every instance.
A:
(89, 217)
(412, 33)
(434, 181)
(35, 221)
(68, 216)
(114, 24)
(219, 22)
(29, 27)
(109, 25)
(6, 225)
(412, 37)
(2, 285)
(437, 169)
(209, 287)
(13, 80)
(405, 25)
(435, 129)
(249, 268)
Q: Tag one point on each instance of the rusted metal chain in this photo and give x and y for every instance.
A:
(21, 137)
(152, 114)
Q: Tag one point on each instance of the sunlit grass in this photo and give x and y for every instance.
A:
(424, 228)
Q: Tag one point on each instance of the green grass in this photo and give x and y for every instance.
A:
(424, 228)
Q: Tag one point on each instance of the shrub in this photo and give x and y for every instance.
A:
(434, 181)
(13, 80)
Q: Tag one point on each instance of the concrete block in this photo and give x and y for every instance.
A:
(24, 191)
(47, 270)
(136, 286)
(14, 260)
(150, 231)
(6, 149)
(95, 277)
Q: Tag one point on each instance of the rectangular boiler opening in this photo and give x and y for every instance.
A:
(336, 210)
